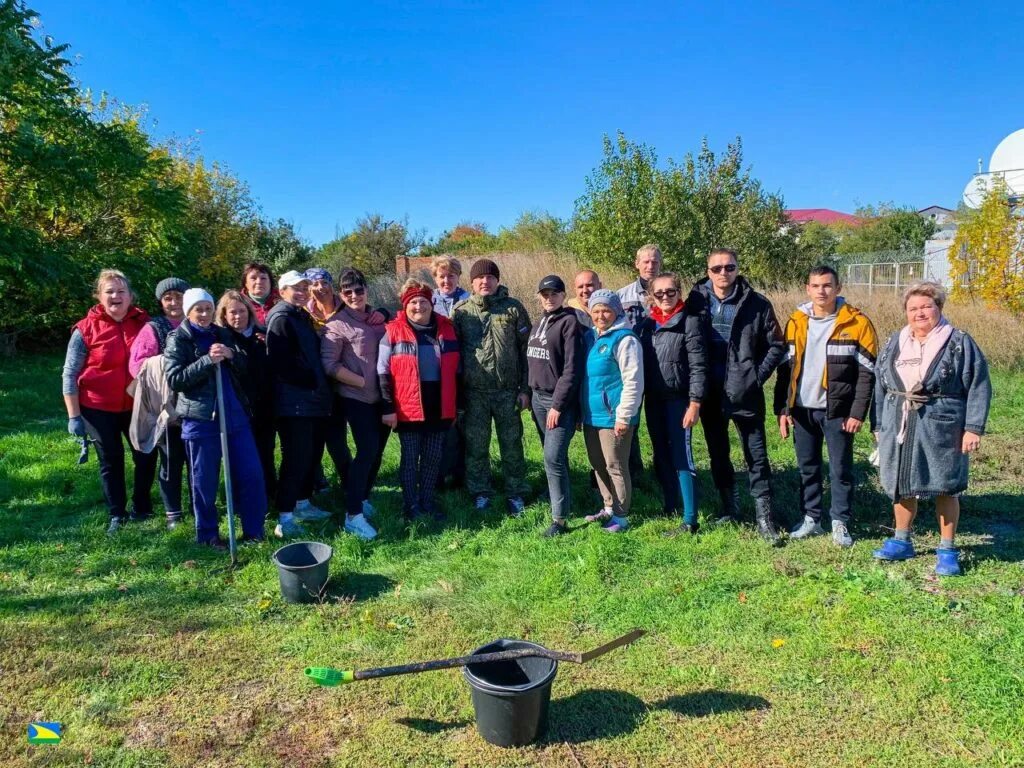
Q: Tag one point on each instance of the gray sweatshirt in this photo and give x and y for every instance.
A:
(812, 394)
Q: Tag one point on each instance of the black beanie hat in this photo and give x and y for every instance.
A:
(483, 267)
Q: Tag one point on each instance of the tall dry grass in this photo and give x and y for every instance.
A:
(1000, 334)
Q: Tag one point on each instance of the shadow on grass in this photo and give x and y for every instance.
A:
(425, 725)
(360, 586)
(592, 715)
(713, 702)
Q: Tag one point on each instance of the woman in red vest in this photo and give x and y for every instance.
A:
(95, 384)
(418, 365)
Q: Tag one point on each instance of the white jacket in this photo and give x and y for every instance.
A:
(153, 406)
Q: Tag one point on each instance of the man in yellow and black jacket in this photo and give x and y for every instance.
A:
(822, 394)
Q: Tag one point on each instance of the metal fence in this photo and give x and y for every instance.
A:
(889, 277)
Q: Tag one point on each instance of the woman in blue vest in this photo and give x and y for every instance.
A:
(611, 393)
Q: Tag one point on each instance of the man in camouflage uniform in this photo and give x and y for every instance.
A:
(493, 330)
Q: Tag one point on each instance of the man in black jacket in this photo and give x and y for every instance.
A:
(302, 402)
(745, 346)
(554, 356)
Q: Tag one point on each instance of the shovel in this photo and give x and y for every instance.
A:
(331, 677)
(223, 419)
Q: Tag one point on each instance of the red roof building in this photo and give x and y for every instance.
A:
(822, 216)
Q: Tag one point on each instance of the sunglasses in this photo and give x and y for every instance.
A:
(717, 269)
(357, 291)
(668, 293)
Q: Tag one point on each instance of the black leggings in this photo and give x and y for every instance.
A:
(370, 436)
(172, 466)
(107, 429)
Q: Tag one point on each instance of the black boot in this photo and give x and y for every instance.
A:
(730, 505)
(765, 526)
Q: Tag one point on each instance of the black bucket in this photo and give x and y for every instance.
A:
(511, 698)
(303, 568)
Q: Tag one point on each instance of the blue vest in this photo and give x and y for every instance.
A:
(602, 379)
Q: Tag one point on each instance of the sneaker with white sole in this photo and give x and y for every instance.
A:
(516, 505)
(288, 529)
(807, 529)
(358, 527)
(841, 536)
(305, 511)
(368, 509)
(600, 516)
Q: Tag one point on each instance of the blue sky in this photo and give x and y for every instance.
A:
(475, 110)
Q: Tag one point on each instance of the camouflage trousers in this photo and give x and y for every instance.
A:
(481, 408)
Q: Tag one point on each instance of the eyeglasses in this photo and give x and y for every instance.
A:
(357, 291)
(668, 293)
(717, 269)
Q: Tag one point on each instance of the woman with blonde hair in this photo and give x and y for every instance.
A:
(932, 396)
(94, 384)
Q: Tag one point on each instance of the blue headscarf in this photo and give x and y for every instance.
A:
(318, 273)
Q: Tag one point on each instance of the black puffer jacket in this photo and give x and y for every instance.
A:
(293, 351)
(756, 348)
(259, 385)
(191, 373)
(675, 362)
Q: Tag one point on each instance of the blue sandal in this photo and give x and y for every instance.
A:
(895, 549)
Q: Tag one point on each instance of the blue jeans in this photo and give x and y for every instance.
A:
(556, 453)
(673, 450)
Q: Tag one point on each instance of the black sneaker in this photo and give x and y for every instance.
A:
(555, 529)
(215, 544)
(135, 516)
(115, 525)
(683, 530)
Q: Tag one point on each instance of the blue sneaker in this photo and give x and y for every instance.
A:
(947, 562)
(895, 549)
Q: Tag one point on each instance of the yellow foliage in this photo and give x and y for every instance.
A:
(987, 256)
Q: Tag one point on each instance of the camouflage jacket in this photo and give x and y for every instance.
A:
(493, 332)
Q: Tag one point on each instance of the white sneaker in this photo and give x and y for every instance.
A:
(358, 527)
(806, 529)
(368, 509)
(304, 510)
(287, 529)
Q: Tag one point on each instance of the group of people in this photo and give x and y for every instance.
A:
(310, 360)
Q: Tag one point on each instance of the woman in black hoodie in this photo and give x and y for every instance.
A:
(553, 355)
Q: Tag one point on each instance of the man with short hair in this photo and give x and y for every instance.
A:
(494, 332)
(745, 346)
(822, 395)
(584, 284)
(635, 296)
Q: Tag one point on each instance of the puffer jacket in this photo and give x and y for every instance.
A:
(301, 388)
(493, 332)
(756, 347)
(192, 374)
(956, 394)
(675, 356)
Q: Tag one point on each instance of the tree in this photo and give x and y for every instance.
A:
(534, 231)
(987, 254)
(884, 228)
(372, 246)
(279, 246)
(687, 209)
(466, 238)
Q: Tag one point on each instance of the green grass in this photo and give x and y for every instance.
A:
(151, 653)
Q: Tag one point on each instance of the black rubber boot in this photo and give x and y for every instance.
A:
(765, 526)
(730, 505)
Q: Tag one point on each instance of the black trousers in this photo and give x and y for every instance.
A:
(302, 441)
(110, 432)
(264, 433)
(370, 436)
(337, 440)
(752, 437)
(812, 429)
(172, 468)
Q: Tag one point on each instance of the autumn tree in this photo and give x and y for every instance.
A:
(688, 208)
(987, 255)
(372, 246)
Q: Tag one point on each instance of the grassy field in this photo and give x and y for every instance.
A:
(151, 653)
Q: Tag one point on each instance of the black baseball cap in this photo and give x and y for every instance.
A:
(551, 283)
